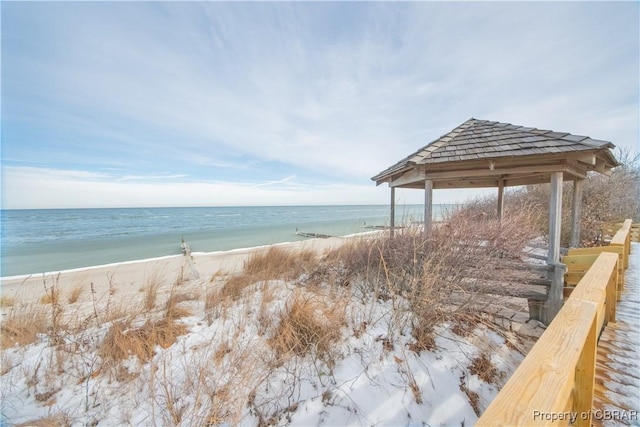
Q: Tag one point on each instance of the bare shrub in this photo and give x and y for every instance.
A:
(438, 274)
(604, 198)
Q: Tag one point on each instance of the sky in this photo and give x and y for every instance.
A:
(120, 104)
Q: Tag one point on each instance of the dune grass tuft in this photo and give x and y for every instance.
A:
(22, 326)
(123, 340)
(74, 295)
(7, 301)
(308, 324)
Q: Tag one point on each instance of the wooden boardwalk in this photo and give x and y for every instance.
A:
(617, 388)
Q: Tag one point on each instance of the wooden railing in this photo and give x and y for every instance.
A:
(554, 384)
(579, 260)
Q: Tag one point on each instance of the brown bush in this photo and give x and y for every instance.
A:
(308, 325)
(23, 325)
(123, 340)
(484, 369)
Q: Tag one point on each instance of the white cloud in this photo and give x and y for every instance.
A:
(323, 91)
(34, 188)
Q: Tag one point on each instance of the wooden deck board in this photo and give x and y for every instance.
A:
(617, 385)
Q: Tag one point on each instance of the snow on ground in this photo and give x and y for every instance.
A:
(225, 370)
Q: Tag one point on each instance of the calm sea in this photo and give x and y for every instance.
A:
(36, 241)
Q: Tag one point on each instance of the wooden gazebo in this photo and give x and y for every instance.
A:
(482, 153)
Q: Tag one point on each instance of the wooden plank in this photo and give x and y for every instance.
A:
(600, 249)
(595, 250)
(579, 259)
(577, 266)
(497, 172)
(612, 296)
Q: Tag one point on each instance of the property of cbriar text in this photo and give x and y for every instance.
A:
(596, 414)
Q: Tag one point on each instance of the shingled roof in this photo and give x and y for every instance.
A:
(496, 147)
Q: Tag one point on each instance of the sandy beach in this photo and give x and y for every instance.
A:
(126, 279)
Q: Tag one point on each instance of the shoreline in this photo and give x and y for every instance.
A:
(164, 257)
(128, 277)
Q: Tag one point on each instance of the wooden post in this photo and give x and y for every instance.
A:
(500, 198)
(555, 216)
(555, 296)
(576, 212)
(586, 377)
(392, 220)
(428, 205)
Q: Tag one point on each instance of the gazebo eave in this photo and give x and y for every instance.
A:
(506, 171)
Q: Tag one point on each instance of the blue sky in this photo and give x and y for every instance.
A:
(179, 103)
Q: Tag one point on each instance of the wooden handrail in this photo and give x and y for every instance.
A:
(559, 371)
(557, 377)
(623, 238)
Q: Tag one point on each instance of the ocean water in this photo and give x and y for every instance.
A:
(37, 241)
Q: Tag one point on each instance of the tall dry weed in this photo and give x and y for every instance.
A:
(150, 295)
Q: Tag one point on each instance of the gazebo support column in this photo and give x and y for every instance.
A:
(576, 212)
(428, 205)
(555, 295)
(500, 198)
(392, 218)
